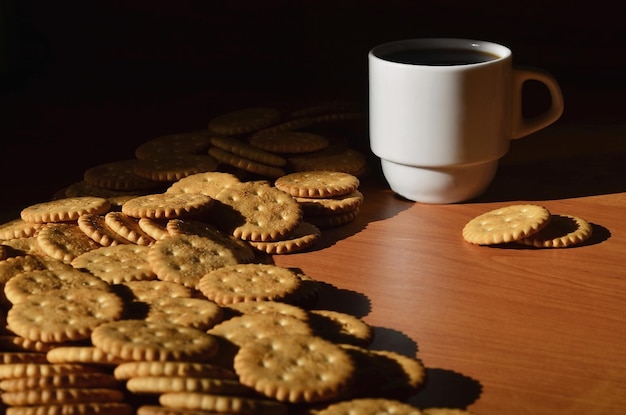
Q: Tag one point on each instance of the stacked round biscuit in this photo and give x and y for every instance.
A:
(141, 290)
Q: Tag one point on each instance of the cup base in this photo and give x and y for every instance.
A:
(439, 185)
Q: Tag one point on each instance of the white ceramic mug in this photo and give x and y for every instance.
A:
(443, 111)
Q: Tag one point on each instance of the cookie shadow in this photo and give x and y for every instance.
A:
(386, 338)
(448, 389)
(333, 298)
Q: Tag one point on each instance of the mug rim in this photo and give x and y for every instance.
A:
(502, 52)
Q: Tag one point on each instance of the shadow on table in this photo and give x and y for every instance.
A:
(579, 176)
(447, 389)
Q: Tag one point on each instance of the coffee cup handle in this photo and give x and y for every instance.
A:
(523, 126)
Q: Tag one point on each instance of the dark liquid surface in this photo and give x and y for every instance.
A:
(439, 57)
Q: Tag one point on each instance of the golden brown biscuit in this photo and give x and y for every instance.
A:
(153, 341)
(317, 184)
(63, 210)
(244, 121)
(506, 224)
(262, 365)
(563, 231)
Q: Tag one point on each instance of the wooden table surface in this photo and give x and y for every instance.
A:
(505, 329)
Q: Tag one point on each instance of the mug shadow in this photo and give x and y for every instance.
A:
(588, 175)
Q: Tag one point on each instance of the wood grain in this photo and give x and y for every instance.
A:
(504, 329)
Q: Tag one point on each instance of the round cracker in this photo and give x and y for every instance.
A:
(63, 210)
(256, 211)
(291, 142)
(244, 120)
(155, 341)
(280, 368)
(76, 313)
(506, 224)
(317, 184)
(248, 282)
(563, 231)
(116, 264)
(167, 205)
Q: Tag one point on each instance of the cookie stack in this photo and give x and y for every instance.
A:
(327, 198)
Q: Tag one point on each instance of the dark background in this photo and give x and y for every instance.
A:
(84, 82)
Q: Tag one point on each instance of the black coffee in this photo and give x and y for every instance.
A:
(439, 57)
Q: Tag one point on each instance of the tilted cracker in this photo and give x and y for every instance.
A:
(77, 313)
(319, 183)
(506, 224)
(63, 396)
(28, 283)
(167, 384)
(245, 164)
(128, 227)
(23, 246)
(83, 355)
(256, 211)
(7, 357)
(10, 267)
(64, 241)
(18, 228)
(241, 148)
(168, 205)
(280, 368)
(5, 252)
(244, 120)
(331, 205)
(170, 169)
(21, 370)
(77, 380)
(194, 142)
(80, 408)
(325, 107)
(95, 227)
(184, 259)
(267, 307)
(248, 282)
(222, 403)
(207, 183)
(115, 196)
(342, 159)
(156, 228)
(563, 231)
(301, 238)
(63, 210)
(158, 341)
(128, 370)
(13, 343)
(291, 142)
(118, 175)
(116, 264)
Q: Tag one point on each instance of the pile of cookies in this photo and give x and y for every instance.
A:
(527, 224)
(246, 151)
(176, 327)
(139, 289)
